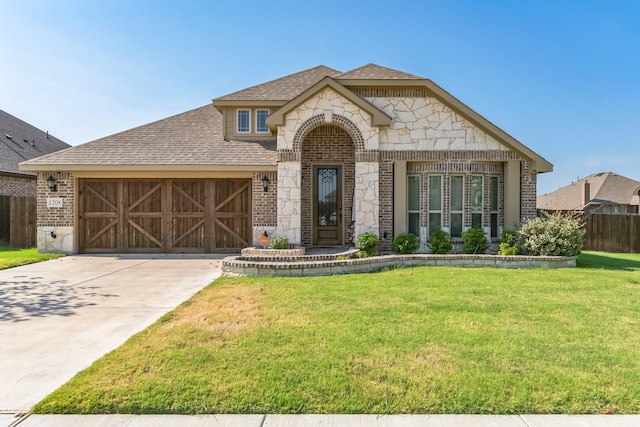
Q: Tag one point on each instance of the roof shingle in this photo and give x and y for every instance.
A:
(375, 72)
(20, 141)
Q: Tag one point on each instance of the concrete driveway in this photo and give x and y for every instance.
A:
(59, 316)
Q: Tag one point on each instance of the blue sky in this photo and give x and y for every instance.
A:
(562, 77)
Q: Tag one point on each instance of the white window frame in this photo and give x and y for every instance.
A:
(266, 128)
(238, 111)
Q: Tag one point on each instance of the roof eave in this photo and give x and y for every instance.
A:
(220, 104)
(71, 167)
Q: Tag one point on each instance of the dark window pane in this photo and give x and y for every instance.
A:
(435, 222)
(435, 193)
(494, 225)
(476, 220)
(494, 193)
(456, 193)
(414, 224)
(413, 184)
(456, 225)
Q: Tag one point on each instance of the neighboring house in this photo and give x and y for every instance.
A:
(604, 192)
(318, 156)
(19, 141)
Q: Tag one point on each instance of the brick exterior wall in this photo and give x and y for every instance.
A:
(15, 186)
(56, 217)
(528, 190)
(386, 205)
(265, 203)
(328, 145)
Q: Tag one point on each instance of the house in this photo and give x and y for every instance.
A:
(604, 192)
(318, 156)
(19, 141)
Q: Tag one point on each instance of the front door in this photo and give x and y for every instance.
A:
(327, 206)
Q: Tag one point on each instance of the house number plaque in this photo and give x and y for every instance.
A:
(54, 202)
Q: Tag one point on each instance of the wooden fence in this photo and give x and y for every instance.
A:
(612, 233)
(18, 221)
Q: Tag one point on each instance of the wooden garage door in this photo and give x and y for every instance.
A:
(164, 215)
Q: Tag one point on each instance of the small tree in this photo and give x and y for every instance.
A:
(368, 242)
(405, 243)
(553, 234)
(440, 242)
(474, 241)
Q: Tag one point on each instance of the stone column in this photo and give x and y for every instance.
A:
(289, 201)
(366, 201)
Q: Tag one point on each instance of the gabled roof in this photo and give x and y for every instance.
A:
(374, 72)
(283, 89)
(605, 188)
(378, 117)
(188, 141)
(20, 141)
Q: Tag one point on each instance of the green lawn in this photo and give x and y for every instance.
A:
(15, 257)
(418, 340)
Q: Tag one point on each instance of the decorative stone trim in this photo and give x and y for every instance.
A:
(470, 167)
(253, 252)
(236, 266)
(441, 155)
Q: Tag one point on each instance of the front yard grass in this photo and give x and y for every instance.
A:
(417, 340)
(15, 257)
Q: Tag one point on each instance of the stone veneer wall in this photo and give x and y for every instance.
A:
(289, 206)
(264, 205)
(16, 186)
(58, 221)
(327, 145)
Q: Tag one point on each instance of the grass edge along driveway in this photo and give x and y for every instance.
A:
(416, 340)
(16, 257)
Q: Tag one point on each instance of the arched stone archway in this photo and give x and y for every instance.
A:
(328, 119)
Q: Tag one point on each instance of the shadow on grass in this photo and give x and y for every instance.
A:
(609, 261)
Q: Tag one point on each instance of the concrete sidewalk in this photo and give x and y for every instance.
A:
(57, 317)
(327, 420)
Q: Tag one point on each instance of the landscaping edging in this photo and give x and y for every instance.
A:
(236, 266)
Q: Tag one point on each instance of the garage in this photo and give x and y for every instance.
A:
(163, 215)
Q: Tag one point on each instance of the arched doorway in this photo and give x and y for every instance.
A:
(328, 180)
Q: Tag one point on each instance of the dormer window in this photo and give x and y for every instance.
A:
(244, 121)
(261, 121)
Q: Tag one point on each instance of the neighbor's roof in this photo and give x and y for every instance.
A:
(375, 72)
(20, 141)
(191, 138)
(605, 188)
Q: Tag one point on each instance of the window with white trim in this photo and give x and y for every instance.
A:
(243, 121)
(494, 203)
(261, 121)
(413, 204)
(456, 205)
(435, 203)
(477, 191)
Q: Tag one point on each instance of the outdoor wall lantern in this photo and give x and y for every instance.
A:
(51, 183)
(265, 183)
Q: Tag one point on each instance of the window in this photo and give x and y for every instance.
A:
(261, 120)
(493, 194)
(477, 191)
(435, 203)
(243, 121)
(457, 205)
(413, 204)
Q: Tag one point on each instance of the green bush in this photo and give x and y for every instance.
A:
(360, 254)
(279, 242)
(508, 243)
(440, 242)
(506, 249)
(474, 241)
(405, 243)
(553, 234)
(368, 242)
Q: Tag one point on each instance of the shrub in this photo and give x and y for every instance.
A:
(508, 243)
(279, 242)
(368, 242)
(474, 241)
(440, 242)
(553, 234)
(360, 254)
(405, 243)
(506, 249)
